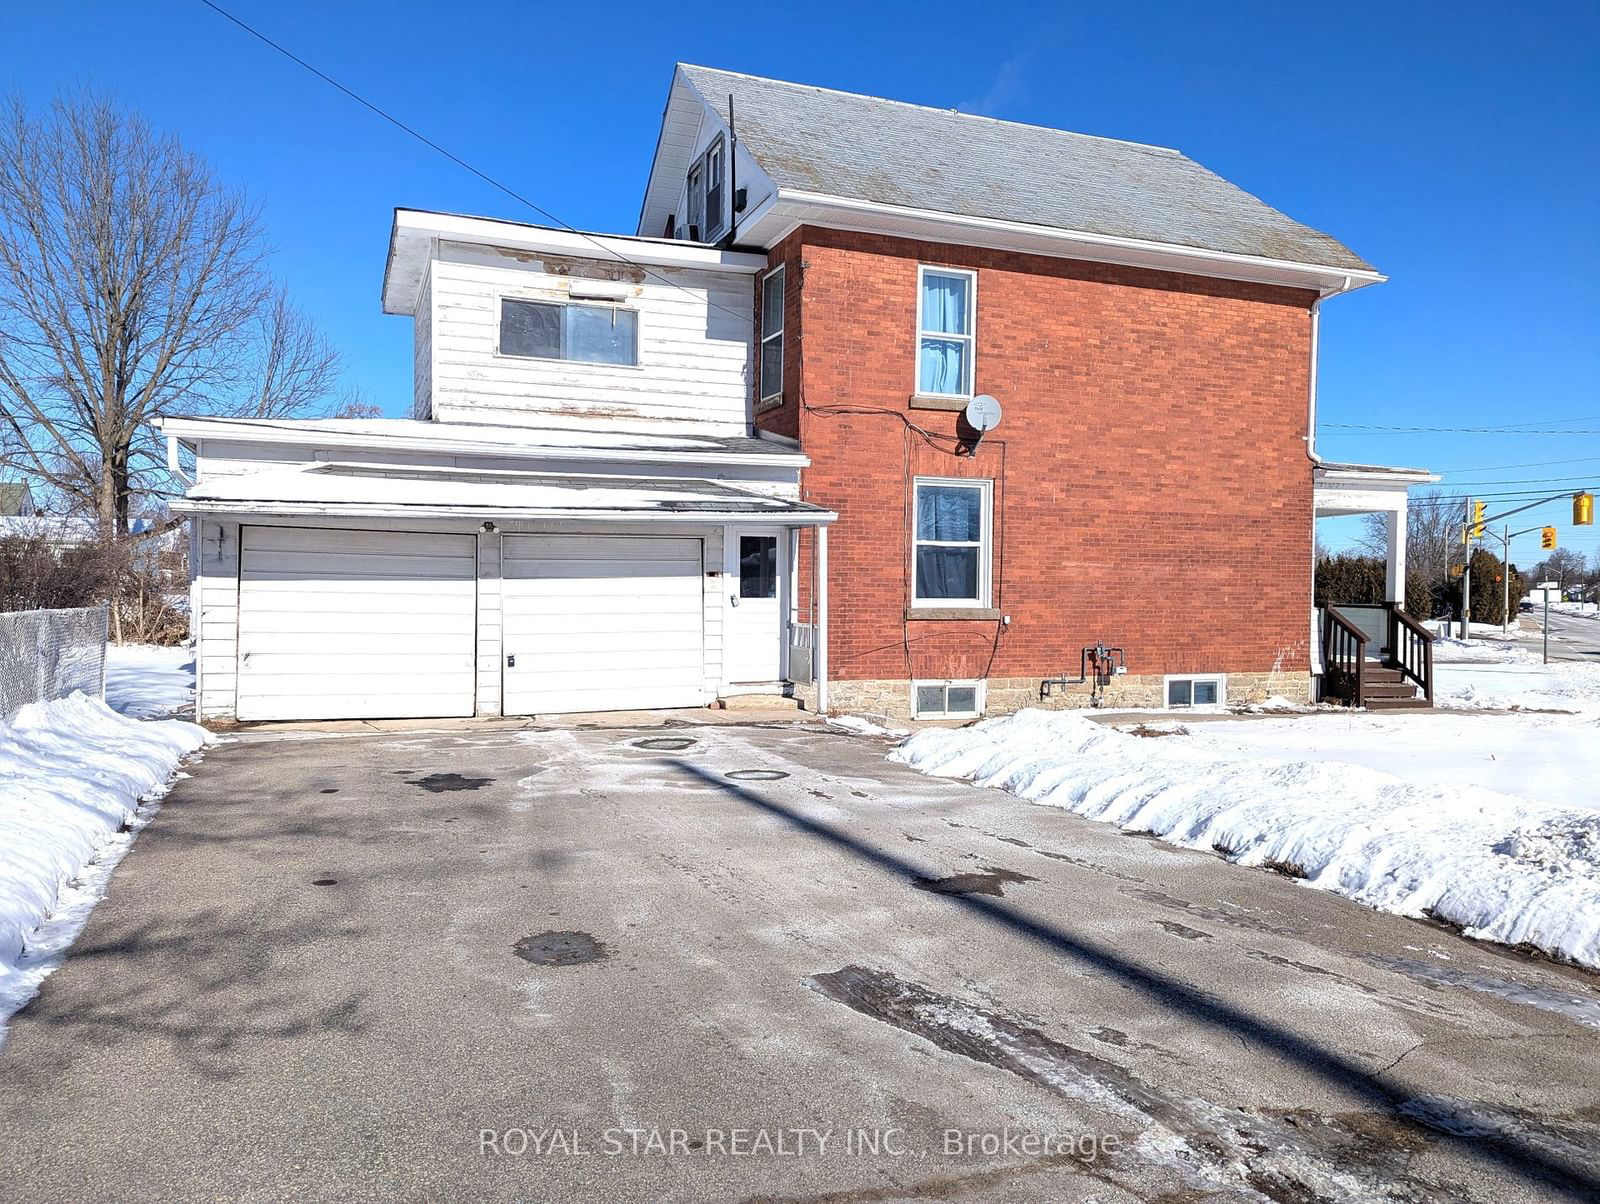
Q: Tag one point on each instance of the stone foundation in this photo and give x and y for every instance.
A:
(1006, 694)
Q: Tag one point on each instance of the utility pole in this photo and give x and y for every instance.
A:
(1466, 573)
(1505, 576)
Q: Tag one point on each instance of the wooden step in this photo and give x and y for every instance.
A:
(1389, 689)
(1397, 704)
(1380, 673)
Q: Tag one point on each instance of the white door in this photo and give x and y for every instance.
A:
(755, 627)
(602, 623)
(356, 624)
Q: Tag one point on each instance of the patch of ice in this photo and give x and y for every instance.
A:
(865, 727)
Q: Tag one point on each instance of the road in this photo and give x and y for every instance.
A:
(756, 963)
(1572, 637)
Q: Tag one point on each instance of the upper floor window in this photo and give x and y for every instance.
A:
(708, 193)
(716, 179)
(591, 334)
(770, 368)
(946, 318)
(950, 543)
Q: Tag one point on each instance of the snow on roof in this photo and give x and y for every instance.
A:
(502, 440)
(369, 488)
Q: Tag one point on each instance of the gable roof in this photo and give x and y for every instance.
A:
(15, 498)
(840, 144)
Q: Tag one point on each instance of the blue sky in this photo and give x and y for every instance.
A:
(1455, 146)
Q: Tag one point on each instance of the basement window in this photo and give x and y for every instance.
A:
(589, 334)
(1208, 691)
(946, 699)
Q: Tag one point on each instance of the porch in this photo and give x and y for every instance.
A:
(1368, 653)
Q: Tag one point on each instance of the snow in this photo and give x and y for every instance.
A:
(145, 681)
(1319, 797)
(72, 775)
(862, 726)
(1502, 676)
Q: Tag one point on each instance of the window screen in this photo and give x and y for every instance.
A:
(758, 566)
(1205, 693)
(590, 334)
(1179, 693)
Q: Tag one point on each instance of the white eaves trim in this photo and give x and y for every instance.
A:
(416, 232)
(314, 434)
(289, 509)
(791, 209)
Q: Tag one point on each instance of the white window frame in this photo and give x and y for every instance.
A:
(696, 176)
(768, 336)
(979, 697)
(1220, 679)
(562, 302)
(971, 337)
(714, 223)
(985, 486)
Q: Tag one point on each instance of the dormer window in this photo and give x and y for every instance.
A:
(708, 193)
(589, 334)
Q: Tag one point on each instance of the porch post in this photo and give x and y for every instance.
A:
(1395, 575)
(822, 619)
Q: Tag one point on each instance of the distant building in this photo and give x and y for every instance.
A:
(16, 500)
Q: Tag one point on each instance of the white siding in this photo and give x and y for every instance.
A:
(216, 594)
(490, 623)
(422, 353)
(694, 346)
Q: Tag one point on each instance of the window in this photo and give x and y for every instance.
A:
(591, 334)
(697, 201)
(946, 699)
(1196, 691)
(758, 566)
(715, 174)
(771, 366)
(950, 542)
(946, 316)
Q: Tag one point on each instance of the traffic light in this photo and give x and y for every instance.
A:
(1477, 519)
(1547, 538)
(1583, 510)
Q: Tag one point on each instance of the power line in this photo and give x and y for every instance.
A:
(1515, 428)
(457, 159)
(1534, 464)
(1554, 482)
(1350, 432)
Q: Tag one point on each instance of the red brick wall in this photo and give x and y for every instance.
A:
(1151, 482)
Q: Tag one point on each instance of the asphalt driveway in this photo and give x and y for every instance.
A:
(736, 962)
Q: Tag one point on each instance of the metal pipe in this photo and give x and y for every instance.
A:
(822, 620)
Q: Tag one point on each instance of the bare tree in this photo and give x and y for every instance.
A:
(132, 283)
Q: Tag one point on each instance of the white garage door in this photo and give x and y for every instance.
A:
(356, 624)
(602, 623)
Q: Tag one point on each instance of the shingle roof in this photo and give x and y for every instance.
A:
(13, 494)
(861, 147)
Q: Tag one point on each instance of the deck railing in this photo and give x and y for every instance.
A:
(1344, 658)
(1411, 649)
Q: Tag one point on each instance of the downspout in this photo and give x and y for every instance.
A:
(1316, 463)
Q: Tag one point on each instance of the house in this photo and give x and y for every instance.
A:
(1053, 394)
(16, 500)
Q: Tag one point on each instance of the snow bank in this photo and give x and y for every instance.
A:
(1497, 676)
(1503, 868)
(72, 774)
(865, 727)
(149, 682)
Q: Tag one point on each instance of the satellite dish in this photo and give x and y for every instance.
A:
(983, 413)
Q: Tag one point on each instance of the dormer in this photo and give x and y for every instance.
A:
(525, 325)
(703, 180)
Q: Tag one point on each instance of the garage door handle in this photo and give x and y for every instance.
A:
(511, 660)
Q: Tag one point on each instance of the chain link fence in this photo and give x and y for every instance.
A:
(47, 654)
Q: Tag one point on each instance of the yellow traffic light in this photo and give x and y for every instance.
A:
(1477, 519)
(1583, 510)
(1547, 538)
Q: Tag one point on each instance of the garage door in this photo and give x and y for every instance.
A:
(602, 623)
(356, 624)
